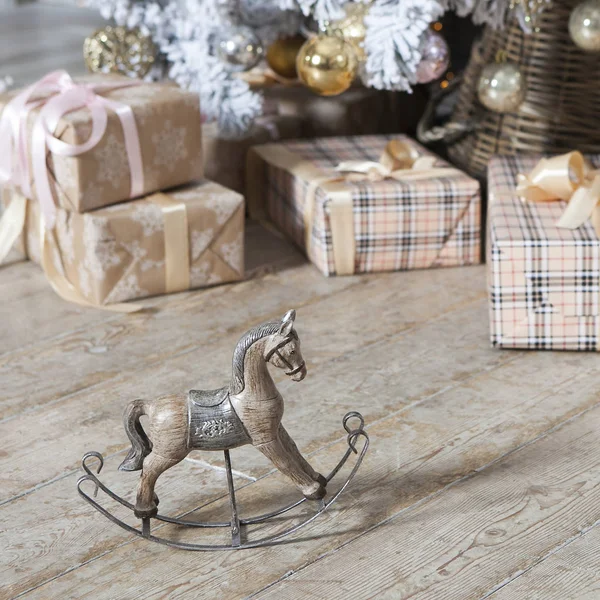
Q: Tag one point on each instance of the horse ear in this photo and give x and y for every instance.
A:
(287, 322)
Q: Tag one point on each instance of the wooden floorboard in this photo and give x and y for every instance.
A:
(571, 570)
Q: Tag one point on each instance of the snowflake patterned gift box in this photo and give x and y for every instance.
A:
(543, 279)
(135, 249)
(166, 120)
(367, 203)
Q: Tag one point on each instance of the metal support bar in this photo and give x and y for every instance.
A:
(236, 538)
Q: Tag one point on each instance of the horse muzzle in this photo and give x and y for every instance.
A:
(299, 373)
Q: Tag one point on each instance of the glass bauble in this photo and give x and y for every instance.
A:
(239, 47)
(282, 54)
(502, 87)
(584, 25)
(435, 57)
(327, 64)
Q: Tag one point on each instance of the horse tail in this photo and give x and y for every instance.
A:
(140, 444)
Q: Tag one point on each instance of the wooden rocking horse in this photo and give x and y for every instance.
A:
(247, 411)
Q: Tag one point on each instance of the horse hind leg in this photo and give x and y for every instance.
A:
(146, 504)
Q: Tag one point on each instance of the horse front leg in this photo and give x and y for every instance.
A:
(284, 454)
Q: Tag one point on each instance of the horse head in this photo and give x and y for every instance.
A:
(283, 349)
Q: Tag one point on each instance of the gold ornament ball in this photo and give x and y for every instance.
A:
(352, 27)
(119, 50)
(502, 87)
(327, 65)
(584, 25)
(282, 54)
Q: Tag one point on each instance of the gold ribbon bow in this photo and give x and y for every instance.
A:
(400, 161)
(568, 177)
(176, 249)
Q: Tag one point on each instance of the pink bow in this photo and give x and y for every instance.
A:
(61, 95)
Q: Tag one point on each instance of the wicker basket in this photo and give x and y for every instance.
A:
(562, 108)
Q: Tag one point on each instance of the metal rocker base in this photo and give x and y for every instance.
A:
(236, 523)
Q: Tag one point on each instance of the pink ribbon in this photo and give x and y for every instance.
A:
(61, 95)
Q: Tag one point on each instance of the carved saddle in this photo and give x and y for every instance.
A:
(214, 424)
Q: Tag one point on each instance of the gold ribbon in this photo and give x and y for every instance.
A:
(176, 242)
(400, 161)
(568, 177)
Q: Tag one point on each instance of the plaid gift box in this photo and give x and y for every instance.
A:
(544, 281)
(390, 224)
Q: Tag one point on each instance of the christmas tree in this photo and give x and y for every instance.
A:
(209, 45)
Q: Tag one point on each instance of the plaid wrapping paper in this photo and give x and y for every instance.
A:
(544, 281)
(397, 225)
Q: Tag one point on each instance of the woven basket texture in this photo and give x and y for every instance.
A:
(561, 111)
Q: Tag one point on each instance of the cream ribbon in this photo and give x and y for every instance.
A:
(568, 177)
(400, 161)
(177, 243)
(176, 249)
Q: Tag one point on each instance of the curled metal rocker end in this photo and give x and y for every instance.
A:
(86, 457)
(353, 415)
(353, 434)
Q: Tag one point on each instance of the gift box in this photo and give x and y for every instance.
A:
(365, 204)
(150, 140)
(187, 237)
(544, 279)
(225, 159)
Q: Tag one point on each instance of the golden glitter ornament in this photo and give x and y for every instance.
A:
(352, 27)
(282, 54)
(327, 64)
(119, 50)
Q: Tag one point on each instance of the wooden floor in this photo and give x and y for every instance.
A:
(483, 477)
(482, 480)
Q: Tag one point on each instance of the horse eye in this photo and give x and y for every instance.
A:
(292, 351)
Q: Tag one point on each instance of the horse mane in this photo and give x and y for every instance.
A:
(239, 354)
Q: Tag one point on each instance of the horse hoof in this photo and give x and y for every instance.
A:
(145, 513)
(318, 494)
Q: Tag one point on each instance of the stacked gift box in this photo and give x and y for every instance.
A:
(126, 213)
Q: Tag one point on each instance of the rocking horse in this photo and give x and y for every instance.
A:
(247, 411)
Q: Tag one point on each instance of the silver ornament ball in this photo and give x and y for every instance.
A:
(584, 25)
(435, 57)
(239, 47)
(502, 87)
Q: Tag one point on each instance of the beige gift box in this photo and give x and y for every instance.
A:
(135, 249)
(168, 123)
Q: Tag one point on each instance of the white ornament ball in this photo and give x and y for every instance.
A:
(584, 25)
(239, 47)
(502, 87)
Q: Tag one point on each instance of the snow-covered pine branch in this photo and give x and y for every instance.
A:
(393, 41)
